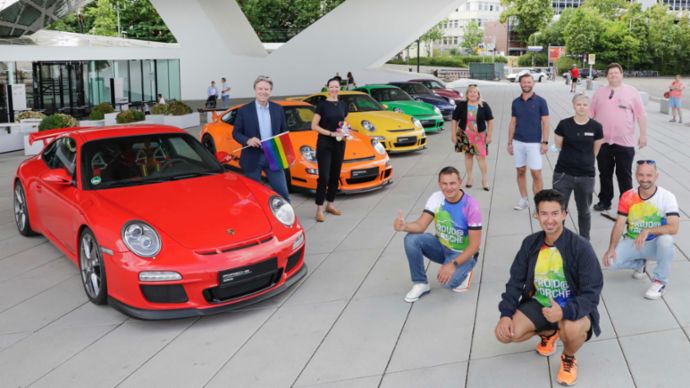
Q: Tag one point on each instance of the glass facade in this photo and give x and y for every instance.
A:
(73, 87)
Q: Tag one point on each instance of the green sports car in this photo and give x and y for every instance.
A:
(396, 99)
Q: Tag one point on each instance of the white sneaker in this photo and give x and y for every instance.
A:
(418, 290)
(640, 273)
(465, 285)
(522, 204)
(655, 290)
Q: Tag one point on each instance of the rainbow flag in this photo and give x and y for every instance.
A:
(278, 151)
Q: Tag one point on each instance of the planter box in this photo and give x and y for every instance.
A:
(155, 119)
(11, 139)
(91, 123)
(33, 149)
(184, 121)
(110, 118)
(30, 125)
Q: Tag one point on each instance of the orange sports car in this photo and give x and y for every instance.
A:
(366, 166)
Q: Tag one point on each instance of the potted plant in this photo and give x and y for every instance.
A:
(97, 115)
(181, 115)
(130, 116)
(29, 120)
(54, 121)
(158, 112)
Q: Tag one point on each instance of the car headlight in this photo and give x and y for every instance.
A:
(282, 210)
(418, 123)
(308, 153)
(396, 109)
(366, 124)
(451, 101)
(378, 147)
(141, 239)
(437, 110)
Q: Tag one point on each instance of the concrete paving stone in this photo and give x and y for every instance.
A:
(442, 341)
(34, 282)
(390, 276)
(367, 237)
(38, 353)
(196, 355)
(361, 382)
(112, 358)
(446, 375)
(18, 243)
(630, 312)
(499, 255)
(337, 278)
(529, 368)
(88, 314)
(292, 334)
(599, 365)
(676, 295)
(25, 261)
(7, 340)
(360, 342)
(658, 359)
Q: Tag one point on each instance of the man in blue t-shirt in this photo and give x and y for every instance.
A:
(458, 223)
(528, 137)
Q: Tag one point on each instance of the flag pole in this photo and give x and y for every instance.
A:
(268, 138)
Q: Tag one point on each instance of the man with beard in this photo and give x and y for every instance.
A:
(554, 288)
(528, 137)
(651, 215)
(617, 107)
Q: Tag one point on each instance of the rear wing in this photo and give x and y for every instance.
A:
(50, 134)
(296, 98)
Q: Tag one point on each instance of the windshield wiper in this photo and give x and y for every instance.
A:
(194, 174)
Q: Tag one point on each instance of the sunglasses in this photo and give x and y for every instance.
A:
(648, 161)
(263, 78)
(611, 95)
(472, 85)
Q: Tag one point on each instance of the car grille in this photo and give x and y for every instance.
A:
(230, 248)
(428, 123)
(293, 260)
(406, 141)
(361, 176)
(243, 281)
(354, 160)
(401, 130)
(164, 293)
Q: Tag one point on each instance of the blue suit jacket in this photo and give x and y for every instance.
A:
(247, 126)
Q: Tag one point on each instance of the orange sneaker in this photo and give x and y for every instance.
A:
(567, 375)
(547, 346)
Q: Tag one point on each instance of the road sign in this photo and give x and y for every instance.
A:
(592, 59)
(535, 48)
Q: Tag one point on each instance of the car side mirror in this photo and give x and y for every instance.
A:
(58, 176)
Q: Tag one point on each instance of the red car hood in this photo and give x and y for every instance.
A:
(199, 213)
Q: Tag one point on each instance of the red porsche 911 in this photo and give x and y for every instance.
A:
(156, 225)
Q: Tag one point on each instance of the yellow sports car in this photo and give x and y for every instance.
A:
(397, 132)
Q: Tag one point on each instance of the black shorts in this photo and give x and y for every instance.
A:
(532, 310)
(574, 80)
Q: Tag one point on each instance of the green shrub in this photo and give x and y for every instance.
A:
(448, 61)
(98, 112)
(178, 108)
(57, 120)
(159, 109)
(540, 59)
(130, 116)
(564, 64)
(30, 115)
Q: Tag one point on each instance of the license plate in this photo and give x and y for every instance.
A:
(364, 173)
(407, 139)
(236, 275)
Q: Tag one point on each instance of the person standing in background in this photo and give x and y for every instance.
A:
(225, 93)
(675, 98)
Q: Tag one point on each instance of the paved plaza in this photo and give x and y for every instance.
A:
(346, 324)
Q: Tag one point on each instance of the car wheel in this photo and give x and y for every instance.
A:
(92, 268)
(209, 144)
(288, 181)
(21, 211)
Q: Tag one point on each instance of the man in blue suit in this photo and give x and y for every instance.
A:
(257, 121)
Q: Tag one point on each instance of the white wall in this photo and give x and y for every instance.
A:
(215, 40)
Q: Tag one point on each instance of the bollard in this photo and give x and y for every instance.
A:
(664, 106)
(589, 84)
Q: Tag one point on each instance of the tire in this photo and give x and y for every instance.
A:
(288, 181)
(209, 144)
(21, 211)
(92, 268)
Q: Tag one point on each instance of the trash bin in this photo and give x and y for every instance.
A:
(589, 84)
(663, 106)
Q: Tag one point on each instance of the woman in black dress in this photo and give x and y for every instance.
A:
(330, 148)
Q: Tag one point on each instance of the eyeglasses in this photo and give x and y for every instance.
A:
(611, 95)
(648, 161)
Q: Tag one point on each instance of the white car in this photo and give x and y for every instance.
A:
(538, 75)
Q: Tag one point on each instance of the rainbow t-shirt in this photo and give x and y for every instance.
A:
(646, 213)
(453, 220)
(549, 278)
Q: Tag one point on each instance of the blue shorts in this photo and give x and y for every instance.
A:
(674, 102)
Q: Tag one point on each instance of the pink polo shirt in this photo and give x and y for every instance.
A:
(618, 114)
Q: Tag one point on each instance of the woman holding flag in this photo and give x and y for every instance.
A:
(329, 122)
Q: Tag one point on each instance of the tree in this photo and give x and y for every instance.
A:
(140, 20)
(472, 37)
(104, 18)
(526, 16)
(582, 34)
(434, 34)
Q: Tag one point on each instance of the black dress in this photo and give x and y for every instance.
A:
(329, 151)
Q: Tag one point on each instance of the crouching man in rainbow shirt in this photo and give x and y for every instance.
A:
(554, 288)
(651, 215)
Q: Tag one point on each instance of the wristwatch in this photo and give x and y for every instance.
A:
(455, 264)
(545, 142)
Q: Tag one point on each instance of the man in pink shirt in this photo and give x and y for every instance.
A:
(617, 107)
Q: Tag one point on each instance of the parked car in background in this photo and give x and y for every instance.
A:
(366, 166)
(395, 99)
(440, 89)
(156, 226)
(422, 93)
(584, 73)
(537, 74)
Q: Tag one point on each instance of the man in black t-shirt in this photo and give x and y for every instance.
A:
(579, 139)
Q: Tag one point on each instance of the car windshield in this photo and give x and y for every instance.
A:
(434, 84)
(416, 89)
(138, 160)
(360, 103)
(390, 94)
(298, 118)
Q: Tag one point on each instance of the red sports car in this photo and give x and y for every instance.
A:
(154, 222)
